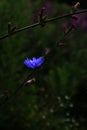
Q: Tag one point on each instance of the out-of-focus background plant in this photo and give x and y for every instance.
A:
(57, 100)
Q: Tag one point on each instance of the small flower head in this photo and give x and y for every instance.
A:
(34, 63)
(75, 20)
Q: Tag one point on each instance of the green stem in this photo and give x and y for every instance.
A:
(45, 21)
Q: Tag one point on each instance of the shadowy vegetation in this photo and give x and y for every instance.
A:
(57, 98)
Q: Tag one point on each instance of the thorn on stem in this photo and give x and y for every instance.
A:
(42, 17)
(30, 81)
(11, 28)
(75, 7)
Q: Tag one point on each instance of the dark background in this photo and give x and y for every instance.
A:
(57, 100)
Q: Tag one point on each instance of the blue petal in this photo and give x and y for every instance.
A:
(33, 62)
(28, 63)
(39, 61)
(34, 59)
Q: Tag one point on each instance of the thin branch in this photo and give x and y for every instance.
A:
(66, 15)
(45, 21)
(18, 88)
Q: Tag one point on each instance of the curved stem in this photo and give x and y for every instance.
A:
(17, 89)
(45, 21)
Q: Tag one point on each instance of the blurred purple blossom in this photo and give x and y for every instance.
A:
(75, 20)
(84, 21)
(36, 16)
(48, 8)
(47, 11)
(80, 19)
(69, 25)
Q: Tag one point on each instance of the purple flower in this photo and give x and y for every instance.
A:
(75, 20)
(47, 10)
(84, 21)
(34, 63)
